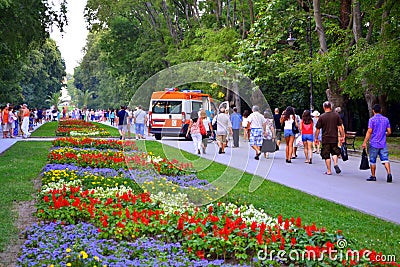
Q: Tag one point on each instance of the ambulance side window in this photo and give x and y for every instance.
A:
(196, 106)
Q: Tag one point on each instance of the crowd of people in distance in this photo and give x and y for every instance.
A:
(19, 120)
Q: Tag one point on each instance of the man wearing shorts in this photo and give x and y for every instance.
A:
(378, 129)
(331, 125)
(224, 126)
(140, 118)
(256, 123)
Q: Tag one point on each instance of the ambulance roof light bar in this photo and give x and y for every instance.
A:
(172, 89)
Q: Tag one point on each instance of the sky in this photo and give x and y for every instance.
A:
(73, 40)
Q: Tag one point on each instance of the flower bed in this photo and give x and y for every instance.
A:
(95, 143)
(93, 213)
(79, 128)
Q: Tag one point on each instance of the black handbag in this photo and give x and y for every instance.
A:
(295, 130)
(268, 145)
(364, 165)
(214, 126)
(343, 152)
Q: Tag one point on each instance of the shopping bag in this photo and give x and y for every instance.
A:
(364, 165)
(343, 152)
(268, 145)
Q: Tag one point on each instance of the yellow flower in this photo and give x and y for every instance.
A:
(68, 250)
(84, 254)
(96, 258)
(69, 264)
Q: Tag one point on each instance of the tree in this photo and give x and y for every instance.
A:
(42, 73)
(24, 26)
(54, 98)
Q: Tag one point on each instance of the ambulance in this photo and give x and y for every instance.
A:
(169, 111)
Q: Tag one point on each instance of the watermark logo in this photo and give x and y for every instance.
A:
(239, 89)
(323, 254)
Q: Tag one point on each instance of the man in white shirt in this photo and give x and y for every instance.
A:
(223, 127)
(255, 122)
(140, 118)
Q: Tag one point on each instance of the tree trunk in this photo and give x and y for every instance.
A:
(234, 14)
(228, 14)
(357, 27)
(251, 9)
(171, 28)
(345, 12)
(323, 48)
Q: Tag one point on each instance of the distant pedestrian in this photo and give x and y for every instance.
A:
(315, 117)
(4, 121)
(224, 127)
(297, 137)
(236, 121)
(278, 126)
(25, 121)
(307, 135)
(268, 128)
(207, 125)
(112, 117)
(378, 129)
(256, 123)
(122, 122)
(246, 130)
(330, 123)
(140, 119)
(194, 130)
(287, 121)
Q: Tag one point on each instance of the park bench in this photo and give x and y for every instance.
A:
(350, 139)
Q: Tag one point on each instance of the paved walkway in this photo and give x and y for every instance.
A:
(350, 189)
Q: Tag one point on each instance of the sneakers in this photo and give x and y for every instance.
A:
(373, 178)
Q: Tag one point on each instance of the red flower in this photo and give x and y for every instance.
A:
(280, 219)
(200, 254)
(293, 241)
(298, 222)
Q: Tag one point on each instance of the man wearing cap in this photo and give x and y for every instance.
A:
(25, 121)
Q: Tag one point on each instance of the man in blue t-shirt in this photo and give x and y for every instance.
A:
(236, 121)
(378, 129)
(122, 122)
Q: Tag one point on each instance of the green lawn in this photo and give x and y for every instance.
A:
(46, 130)
(19, 166)
(23, 162)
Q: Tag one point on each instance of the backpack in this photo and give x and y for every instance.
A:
(202, 128)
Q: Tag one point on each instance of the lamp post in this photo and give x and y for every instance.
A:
(291, 41)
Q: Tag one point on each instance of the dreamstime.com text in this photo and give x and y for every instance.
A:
(331, 254)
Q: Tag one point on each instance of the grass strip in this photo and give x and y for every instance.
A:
(364, 230)
(46, 130)
(19, 166)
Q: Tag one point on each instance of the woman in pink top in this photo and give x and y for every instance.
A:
(307, 136)
(194, 129)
